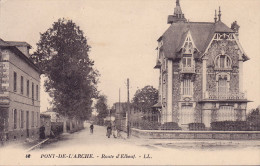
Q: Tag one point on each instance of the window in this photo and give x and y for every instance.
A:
(32, 90)
(22, 118)
(32, 119)
(186, 60)
(21, 84)
(188, 46)
(15, 81)
(28, 88)
(223, 61)
(37, 92)
(226, 113)
(222, 86)
(187, 87)
(15, 118)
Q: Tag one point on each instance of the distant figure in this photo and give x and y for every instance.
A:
(42, 132)
(109, 130)
(91, 128)
(115, 132)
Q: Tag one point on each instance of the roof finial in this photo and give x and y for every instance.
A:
(219, 14)
(177, 2)
(215, 16)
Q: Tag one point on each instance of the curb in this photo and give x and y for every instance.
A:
(37, 145)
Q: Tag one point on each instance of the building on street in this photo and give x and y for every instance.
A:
(19, 92)
(201, 71)
(120, 115)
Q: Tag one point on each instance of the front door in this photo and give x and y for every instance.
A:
(186, 116)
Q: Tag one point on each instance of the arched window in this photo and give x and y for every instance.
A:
(223, 61)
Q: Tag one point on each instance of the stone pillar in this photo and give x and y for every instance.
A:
(169, 92)
(204, 76)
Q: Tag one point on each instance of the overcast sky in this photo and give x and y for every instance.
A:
(123, 35)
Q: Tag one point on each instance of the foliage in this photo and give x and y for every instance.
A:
(196, 126)
(229, 126)
(62, 55)
(102, 107)
(145, 98)
(170, 126)
(57, 128)
(253, 119)
(148, 125)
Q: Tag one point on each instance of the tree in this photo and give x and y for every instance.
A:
(62, 56)
(145, 98)
(102, 107)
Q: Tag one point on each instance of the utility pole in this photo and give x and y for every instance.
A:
(119, 113)
(128, 110)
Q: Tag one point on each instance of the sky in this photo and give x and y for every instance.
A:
(123, 35)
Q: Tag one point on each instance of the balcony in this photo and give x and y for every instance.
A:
(4, 100)
(225, 96)
(188, 69)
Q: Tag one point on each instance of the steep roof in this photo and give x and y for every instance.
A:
(3, 43)
(201, 33)
(13, 46)
(18, 44)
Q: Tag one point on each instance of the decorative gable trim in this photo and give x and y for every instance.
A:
(227, 36)
(189, 39)
(244, 57)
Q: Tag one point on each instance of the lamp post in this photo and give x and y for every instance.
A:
(128, 110)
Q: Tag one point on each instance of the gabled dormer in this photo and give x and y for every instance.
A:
(187, 57)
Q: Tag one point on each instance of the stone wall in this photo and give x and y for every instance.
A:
(223, 135)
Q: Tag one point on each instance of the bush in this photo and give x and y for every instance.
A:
(196, 126)
(57, 127)
(170, 126)
(148, 125)
(230, 126)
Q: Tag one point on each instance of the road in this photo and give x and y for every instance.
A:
(88, 149)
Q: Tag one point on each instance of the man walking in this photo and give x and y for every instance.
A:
(91, 128)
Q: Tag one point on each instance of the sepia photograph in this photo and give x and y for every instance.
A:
(129, 82)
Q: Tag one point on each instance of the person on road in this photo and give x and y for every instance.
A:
(42, 132)
(91, 128)
(109, 129)
(115, 132)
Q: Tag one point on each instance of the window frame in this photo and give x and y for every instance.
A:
(22, 85)
(227, 63)
(15, 118)
(28, 88)
(15, 82)
(187, 87)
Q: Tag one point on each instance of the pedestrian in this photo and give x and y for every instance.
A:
(42, 132)
(109, 130)
(115, 132)
(91, 128)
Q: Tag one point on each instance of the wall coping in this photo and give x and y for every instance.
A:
(194, 132)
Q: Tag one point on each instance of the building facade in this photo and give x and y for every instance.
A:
(120, 115)
(201, 71)
(19, 92)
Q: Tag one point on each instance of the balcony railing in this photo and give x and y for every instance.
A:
(224, 96)
(4, 100)
(188, 69)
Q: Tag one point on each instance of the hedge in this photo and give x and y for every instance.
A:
(230, 126)
(196, 126)
(170, 126)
